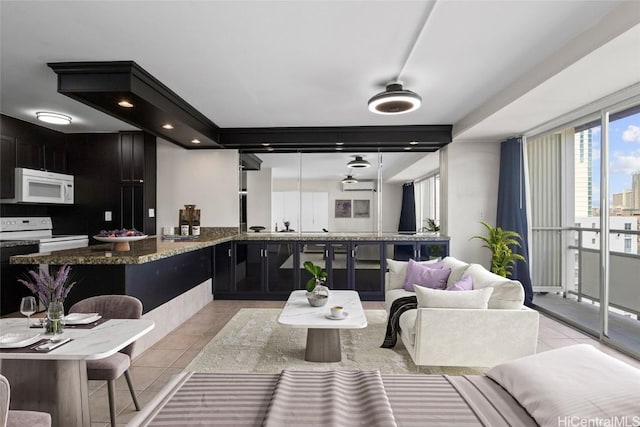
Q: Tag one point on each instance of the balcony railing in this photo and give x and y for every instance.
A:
(563, 262)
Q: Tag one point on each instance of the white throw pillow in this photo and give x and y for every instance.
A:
(398, 269)
(573, 385)
(436, 298)
(458, 269)
(507, 294)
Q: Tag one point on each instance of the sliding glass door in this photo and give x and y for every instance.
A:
(585, 215)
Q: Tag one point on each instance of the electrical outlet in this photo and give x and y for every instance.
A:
(107, 216)
(152, 213)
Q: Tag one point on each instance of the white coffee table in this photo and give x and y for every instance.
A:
(323, 334)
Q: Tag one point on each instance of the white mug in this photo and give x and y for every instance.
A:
(336, 311)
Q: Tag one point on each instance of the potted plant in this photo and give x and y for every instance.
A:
(317, 292)
(52, 291)
(431, 226)
(498, 241)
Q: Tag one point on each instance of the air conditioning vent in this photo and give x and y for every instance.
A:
(359, 186)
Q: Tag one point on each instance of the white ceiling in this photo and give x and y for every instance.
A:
(490, 68)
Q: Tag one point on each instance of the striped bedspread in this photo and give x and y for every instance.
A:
(242, 400)
(330, 398)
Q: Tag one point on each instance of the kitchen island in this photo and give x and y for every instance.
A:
(174, 278)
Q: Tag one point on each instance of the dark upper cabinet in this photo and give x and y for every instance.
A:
(43, 155)
(7, 166)
(132, 157)
(137, 155)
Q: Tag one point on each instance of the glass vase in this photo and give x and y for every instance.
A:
(55, 318)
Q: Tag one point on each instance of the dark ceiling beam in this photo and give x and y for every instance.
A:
(102, 84)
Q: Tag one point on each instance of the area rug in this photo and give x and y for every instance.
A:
(253, 341)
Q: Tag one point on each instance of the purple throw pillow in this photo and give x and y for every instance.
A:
(464, 284)
(425, 275)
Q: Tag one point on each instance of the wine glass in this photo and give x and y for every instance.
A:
(27, 308)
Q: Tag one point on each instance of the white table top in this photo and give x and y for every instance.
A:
(299, 314)
(88, 344)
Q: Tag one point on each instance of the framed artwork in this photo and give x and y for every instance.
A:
(361, 209)
(343, 209)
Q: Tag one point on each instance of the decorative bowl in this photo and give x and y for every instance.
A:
(120, 243)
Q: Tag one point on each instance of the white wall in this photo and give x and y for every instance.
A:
(470, 182)
(259, 198)
(206, 178)
(390, 213)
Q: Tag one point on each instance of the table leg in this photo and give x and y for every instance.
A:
(323, 345)
(58, 387)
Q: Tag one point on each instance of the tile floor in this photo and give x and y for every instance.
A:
(153, 368)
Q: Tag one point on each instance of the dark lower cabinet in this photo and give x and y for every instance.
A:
(222, 267)
(11, 291)
(271, 269)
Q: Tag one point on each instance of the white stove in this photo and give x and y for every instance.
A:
(39, 229)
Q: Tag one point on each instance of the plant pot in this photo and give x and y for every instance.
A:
(318, 296)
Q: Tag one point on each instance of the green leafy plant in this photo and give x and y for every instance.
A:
(431, 225)
(498, 241)
(319, 275)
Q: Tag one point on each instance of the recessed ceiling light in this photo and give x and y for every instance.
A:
(359, 162)
(339, 148)
(339, 143)
(270, 149)
(414, 143)
(125, 104)
(407, 148)
(195, 141)
(265, 144)
(394, 100)
(167, 126)
(53, 118)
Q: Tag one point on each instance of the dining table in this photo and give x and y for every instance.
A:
(55, 381)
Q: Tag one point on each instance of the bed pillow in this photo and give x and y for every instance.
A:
(398, 269)
(425, 275)
(437, 298)
(571, 383)
(464, 284)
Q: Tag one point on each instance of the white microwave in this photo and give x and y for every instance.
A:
(35, 186)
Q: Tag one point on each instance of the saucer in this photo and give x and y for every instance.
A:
(330, 316)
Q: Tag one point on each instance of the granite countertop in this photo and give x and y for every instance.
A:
(375, 237)
(156, 247)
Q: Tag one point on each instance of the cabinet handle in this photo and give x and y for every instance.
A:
(229, 252)
(141, 181)
(326, 253)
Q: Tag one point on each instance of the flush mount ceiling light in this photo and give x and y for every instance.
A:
(53, 118)
(394, 100)
(125, 104)
(349, 180)
(168, 126)
(195, 141)
(358, 162)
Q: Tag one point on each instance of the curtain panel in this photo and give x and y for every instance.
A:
(512, 207)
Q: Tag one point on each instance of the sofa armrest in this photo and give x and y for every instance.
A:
(459, 337)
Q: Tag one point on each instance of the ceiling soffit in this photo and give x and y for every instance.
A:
(102, 85)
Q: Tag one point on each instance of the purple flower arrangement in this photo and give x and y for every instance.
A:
(49, 288)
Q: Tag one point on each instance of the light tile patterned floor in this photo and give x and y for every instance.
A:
(152, 369)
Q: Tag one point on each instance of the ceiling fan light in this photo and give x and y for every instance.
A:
(53, 118)
(358, 162)
(349, 180)
(394, 100)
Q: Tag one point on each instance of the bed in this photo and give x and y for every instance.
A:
(572, 383)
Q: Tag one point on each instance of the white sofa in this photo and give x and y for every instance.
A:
(466, 337)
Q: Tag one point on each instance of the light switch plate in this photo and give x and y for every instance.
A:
(152, 212)
(107, 216)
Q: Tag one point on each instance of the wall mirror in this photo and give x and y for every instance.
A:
(317, 192)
